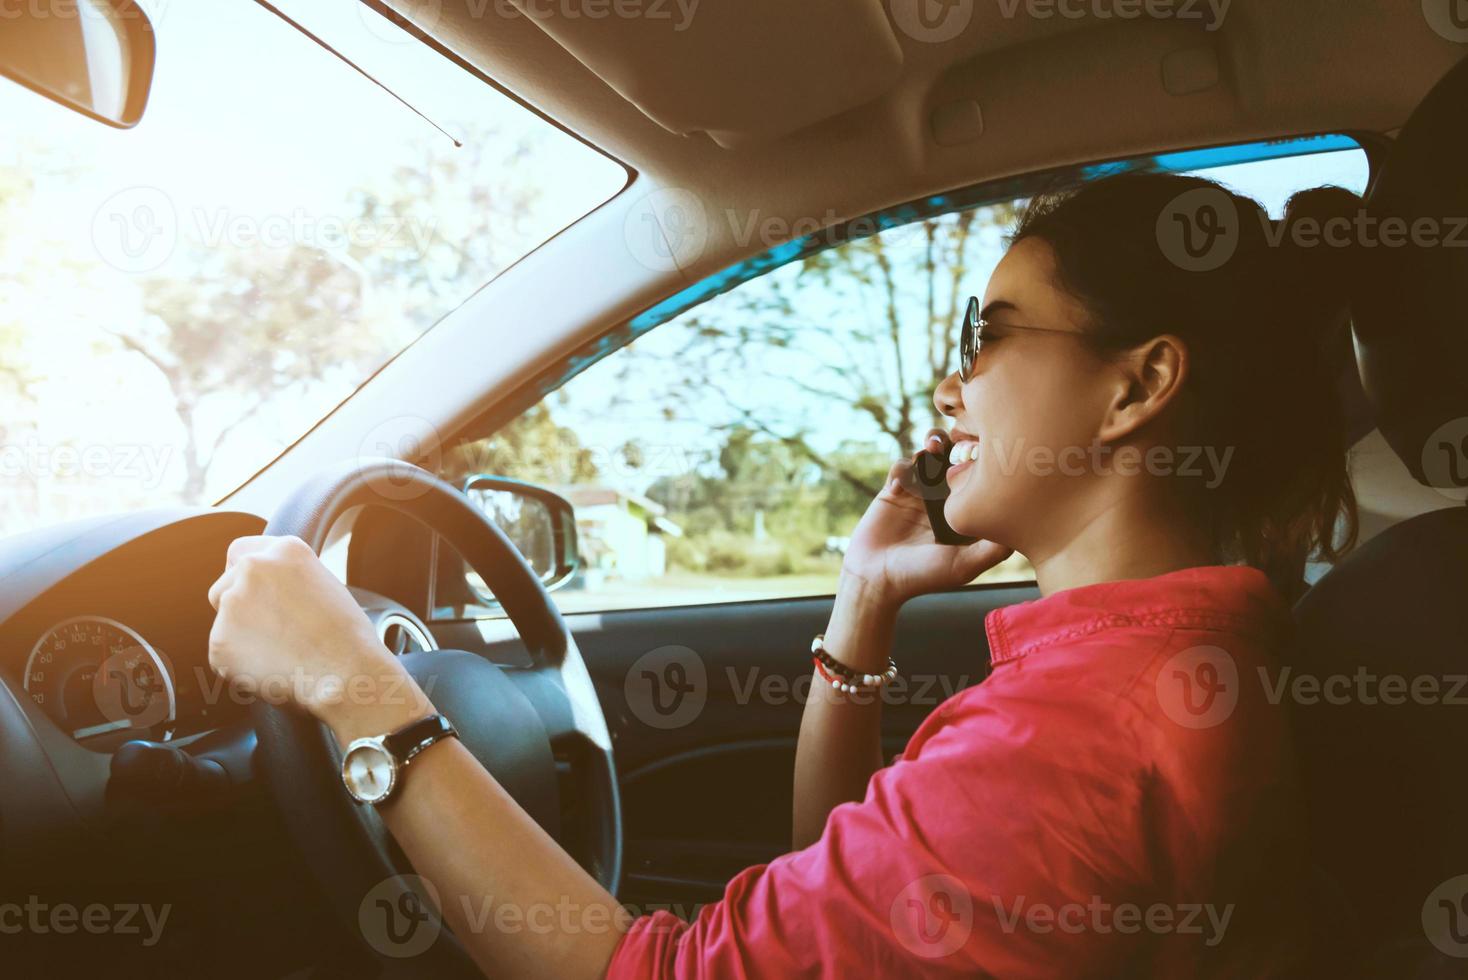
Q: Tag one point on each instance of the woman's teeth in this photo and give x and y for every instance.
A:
(963, 452)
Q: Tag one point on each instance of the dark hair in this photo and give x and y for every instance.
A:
(1265, 322)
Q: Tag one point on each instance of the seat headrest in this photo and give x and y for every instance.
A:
(1410, 305)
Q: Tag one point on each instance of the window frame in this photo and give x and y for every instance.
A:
(969, 197)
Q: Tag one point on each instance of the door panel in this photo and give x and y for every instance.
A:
(704, 706)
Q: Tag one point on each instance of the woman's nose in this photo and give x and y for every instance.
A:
(948, 397)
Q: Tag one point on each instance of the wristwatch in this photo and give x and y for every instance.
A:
(373, 767)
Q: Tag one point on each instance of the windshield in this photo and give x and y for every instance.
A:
(181, 301)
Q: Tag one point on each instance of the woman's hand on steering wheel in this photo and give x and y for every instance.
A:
(289, 632)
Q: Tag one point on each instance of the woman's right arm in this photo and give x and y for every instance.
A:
(892, 558)
(840, 742)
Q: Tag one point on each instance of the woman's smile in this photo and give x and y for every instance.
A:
(963, 454)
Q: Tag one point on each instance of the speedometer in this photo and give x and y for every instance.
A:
(94, 676)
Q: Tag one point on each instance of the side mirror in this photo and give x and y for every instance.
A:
(93, 56)
(540, 523)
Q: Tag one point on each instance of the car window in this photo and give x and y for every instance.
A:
(180, 301)
(728, 454)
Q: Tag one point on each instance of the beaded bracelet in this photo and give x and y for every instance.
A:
(845, 678)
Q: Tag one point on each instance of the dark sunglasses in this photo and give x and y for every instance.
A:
(971, 338)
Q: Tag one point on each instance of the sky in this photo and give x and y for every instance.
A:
(250, 124)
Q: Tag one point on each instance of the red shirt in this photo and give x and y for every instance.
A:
(1117, 798)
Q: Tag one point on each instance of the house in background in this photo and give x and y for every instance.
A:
(622, 535)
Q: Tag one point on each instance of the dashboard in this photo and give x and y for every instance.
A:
(106, 625)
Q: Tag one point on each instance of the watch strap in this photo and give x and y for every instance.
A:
(416, 736)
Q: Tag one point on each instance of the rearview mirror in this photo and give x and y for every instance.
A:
(538, 522)
(93, 56)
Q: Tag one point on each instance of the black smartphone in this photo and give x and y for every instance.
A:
(931, 471)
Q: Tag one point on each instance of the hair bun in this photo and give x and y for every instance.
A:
(1321, 239)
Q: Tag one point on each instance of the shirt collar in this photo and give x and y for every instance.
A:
(1232, 597)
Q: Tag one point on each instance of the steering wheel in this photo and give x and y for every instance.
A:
(538, 729)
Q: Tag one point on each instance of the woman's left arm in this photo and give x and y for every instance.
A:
(289, 631)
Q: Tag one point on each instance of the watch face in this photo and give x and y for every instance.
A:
(368, 771)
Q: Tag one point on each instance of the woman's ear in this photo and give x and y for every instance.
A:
(1148, 377)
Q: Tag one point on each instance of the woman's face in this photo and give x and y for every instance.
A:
(1034, 404)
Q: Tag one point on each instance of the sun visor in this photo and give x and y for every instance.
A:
(742, 71)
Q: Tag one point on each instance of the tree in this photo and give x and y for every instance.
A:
(532, 448)
(865, 330)
(248, 325)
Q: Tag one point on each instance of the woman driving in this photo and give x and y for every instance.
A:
(1119, 796)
